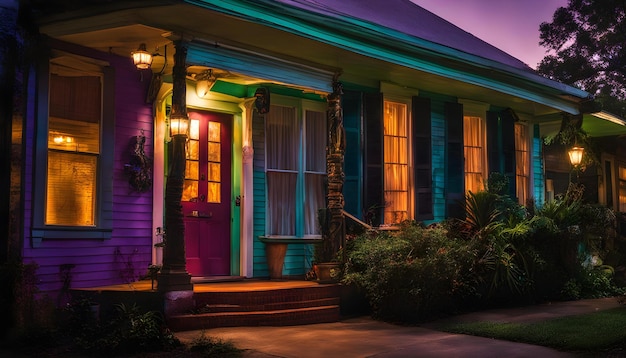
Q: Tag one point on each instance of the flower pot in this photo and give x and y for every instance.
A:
(327, 272)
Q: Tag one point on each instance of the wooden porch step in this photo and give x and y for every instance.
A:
(261, 307)
(288, 317)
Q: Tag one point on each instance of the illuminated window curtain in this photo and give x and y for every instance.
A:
(474, 148)
(522, 163)
(73, 149)
(396, 151)
(315, 170)
(282, 148)
(622, 189)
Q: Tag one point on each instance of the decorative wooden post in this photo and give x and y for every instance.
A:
(174, 276)
(335, 150)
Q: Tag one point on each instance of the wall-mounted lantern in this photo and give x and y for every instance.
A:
(142, 58)
(204, 83)
(179, 125)
(576, 155)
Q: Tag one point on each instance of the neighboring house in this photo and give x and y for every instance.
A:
(429, 111)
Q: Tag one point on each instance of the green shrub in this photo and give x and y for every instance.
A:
(412, 274)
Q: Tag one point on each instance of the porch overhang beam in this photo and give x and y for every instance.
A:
(254, 64)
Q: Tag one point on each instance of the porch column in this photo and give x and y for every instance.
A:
(174, 276)
(334, 168)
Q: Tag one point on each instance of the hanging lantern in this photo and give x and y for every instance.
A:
(576, 155)
(142, 58)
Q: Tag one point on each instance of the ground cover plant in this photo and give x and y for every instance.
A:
(595, 332)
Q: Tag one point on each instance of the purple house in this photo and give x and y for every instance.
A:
(415, 111)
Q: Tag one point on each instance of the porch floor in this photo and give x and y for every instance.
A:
(208, 285)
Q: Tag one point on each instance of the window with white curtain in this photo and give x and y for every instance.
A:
(295, 169)
(73, 149)
(396, 162)
(474, 151)
(522, 163)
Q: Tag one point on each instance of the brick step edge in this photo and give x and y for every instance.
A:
(216, 308)
(261, 297)
(288, 317)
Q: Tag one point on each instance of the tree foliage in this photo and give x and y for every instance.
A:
(586, 45)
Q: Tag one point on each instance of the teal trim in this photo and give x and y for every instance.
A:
(256, 65)
(236, 174)
(382, 43)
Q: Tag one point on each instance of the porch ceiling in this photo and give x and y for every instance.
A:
(122, 31)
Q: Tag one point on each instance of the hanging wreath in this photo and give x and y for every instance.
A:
(139, 168)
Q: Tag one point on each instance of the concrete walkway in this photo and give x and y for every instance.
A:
(364, 337)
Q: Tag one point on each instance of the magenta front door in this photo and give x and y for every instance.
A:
(207, 194)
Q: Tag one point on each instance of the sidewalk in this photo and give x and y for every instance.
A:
(364, 337)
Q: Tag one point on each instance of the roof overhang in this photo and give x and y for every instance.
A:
(364, 55)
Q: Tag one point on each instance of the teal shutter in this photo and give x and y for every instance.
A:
(422, 158)
(494, 143)
(455, 165)
(373, 160)
(351, 104)
(501, 145)
(507, 118)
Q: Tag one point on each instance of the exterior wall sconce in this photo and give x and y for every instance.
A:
(179, 125)
(204, 83)
(142, 58)
(576, 155)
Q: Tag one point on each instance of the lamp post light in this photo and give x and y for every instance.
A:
(174, 276)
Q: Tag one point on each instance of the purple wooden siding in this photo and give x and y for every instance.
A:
(96, 262)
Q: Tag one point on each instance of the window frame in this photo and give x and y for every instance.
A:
(410, 205)
(102, 230)
(476, 109)
(527, 170)
(301, 106)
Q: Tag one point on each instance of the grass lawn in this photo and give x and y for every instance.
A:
(594, 332)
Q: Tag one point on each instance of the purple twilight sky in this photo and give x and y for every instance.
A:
(510, 25)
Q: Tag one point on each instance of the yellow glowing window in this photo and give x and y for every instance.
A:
(474, 151)
(396, 154)
(73, 150)
(522, 163)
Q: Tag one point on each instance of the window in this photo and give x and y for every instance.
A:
(295, 169)
(73, 189)
(522, 164)
(75, 111)
(474, 151)
(396, 162)
(622, 189)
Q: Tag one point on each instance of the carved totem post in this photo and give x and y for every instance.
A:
(174, 276)
(335, 150)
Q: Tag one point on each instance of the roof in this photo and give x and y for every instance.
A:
(406, 17)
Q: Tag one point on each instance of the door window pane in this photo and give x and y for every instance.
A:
(213, 164)
(192, 169)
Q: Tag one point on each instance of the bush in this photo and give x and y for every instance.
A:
(413, 274)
